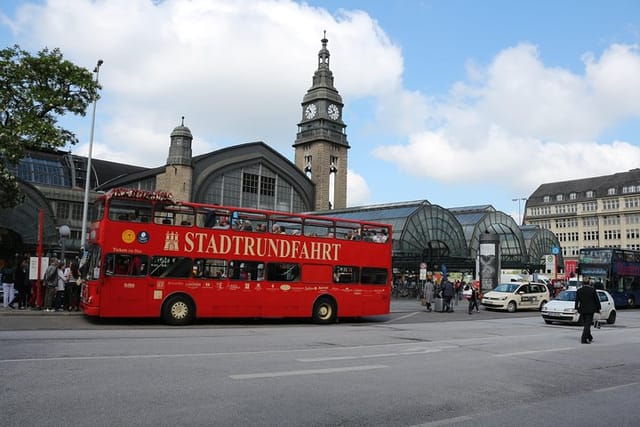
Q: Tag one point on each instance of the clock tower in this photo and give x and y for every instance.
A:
(321, 142)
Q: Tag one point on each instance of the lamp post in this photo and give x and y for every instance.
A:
(85, 206)
(519, 200)
(64, 232)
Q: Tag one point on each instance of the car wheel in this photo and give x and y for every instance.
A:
(178, 310)
(324, 311)
(511, 307)
(631, 302)
(612, 318)
(548, 322)
(542, 305)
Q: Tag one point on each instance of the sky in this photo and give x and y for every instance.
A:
(459, 102)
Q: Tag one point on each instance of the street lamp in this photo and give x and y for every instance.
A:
(85, 206)
(519, 200)
(64, 232)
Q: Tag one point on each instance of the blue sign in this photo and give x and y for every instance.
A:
(555, 250)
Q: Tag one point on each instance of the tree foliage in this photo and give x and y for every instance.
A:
(36, 91)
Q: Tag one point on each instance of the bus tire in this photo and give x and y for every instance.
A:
(631, 302)
(178, 310)
(324, 311)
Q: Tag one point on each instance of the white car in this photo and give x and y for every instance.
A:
(516, 296)
(561, 308)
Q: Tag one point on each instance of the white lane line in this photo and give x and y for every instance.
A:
(402, 317)
(520, 353)
(368, 356)
(615, 387)
(445, 421)
(305, 372)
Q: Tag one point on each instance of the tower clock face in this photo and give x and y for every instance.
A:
(310, 111)
(333, 112)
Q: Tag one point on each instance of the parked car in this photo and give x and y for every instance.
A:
(516, 296)
(561, 308)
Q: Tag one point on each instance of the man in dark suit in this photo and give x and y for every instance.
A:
(587, 303)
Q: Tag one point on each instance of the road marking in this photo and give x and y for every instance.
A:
(615, 387)
(305, 372)
(411, 352)
(445, 421)
(520, 353)
(406, 316)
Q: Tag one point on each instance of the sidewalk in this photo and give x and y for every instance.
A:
(35, 312)
(398, 305)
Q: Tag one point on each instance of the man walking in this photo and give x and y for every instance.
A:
(587, 303)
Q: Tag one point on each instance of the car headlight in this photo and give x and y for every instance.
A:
(569, 310)
(503, 298)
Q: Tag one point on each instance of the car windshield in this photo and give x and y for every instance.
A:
(566, 296)
(507, 287)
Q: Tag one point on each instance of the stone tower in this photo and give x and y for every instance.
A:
(178, 174)
(321, 145)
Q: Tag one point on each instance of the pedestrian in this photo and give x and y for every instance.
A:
(447, 295)
(428, 293)
(587, 303)
(60, 285)
(8, 279)
(22, 284)
(472, 296)
(74, 284)
(50, 284)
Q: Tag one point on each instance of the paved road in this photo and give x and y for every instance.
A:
(398, 371)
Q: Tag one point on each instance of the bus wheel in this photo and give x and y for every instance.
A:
(631, 302)
(324, 311)
(178, 310)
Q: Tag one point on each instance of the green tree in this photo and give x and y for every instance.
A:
(35, 91)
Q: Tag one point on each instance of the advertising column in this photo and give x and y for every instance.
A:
(489, 261)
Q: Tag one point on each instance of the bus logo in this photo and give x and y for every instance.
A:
(171, 241)
(128, 236)
(143, 237)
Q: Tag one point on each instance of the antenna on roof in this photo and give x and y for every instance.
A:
(182, 121)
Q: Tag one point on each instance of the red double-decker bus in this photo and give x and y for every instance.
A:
(152, 256)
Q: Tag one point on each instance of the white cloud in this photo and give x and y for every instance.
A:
(519, 123)
(358, 192)
(237, 70)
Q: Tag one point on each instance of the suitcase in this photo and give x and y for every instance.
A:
(437, 304)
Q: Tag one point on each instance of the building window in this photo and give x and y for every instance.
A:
(76, 211)
(62, 210)
(611, 191)
(632, 202)
(558, 197)
(611, 234)
(249, 183)
(609, 205)
(589, 194)
(268, 186)
(546, 199)
(573, 196)
(633, 233)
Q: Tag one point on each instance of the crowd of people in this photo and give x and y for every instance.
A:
(447, 293)
(59, 290)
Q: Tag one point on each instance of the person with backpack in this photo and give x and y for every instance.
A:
(8, 279)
